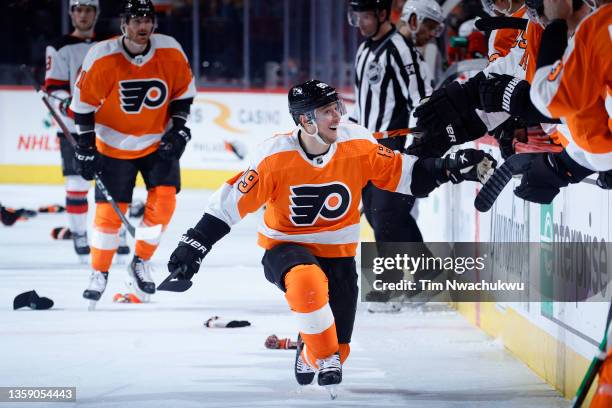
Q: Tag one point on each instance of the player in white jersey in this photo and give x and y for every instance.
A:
(63, 63)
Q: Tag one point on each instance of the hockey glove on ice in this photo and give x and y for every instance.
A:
(186, 259)
(173, 142)
(605, 180)
(546, 174)
(87, 156)
(503, 93)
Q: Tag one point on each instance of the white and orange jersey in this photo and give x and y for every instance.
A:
(63, 61)
(313, 202)
(501, 41)
(130, 95)
(578, 89)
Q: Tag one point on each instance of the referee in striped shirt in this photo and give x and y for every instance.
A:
(390, 80)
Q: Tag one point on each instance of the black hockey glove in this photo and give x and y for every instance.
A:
(512, 129)
(546, 174)
(462, 165)
(9, 217)
(87, 156)
(465, 165)
(186, 259)
(503, 93)
(605, 180)
(448, 116)
(173, 142)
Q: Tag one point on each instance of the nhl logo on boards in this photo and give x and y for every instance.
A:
(374, 72)
(309, 202)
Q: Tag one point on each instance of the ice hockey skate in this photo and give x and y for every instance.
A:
(330, 374)
(81, 246)
(304, 374)
(140, 280)
(97, 285)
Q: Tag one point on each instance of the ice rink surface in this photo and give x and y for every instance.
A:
(160, 355)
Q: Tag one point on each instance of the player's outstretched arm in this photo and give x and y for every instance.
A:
(194, 245)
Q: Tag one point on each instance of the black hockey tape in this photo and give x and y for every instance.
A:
(496, 23)
(516, 164)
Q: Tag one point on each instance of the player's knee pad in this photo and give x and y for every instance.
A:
(106, 219)
(160, 205)
(77, 183)
(307, 288)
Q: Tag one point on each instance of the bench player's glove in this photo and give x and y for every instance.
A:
(173, 142)
(546, 174)
(448, 116)
(186, 259)
(503, 93)
(87, 156)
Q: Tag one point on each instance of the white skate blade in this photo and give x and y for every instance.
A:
(92, 305)
(332, 390)
(83, 259)
(148, 233)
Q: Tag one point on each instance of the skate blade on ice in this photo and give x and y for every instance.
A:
(332, 390)
(92, 305)
(83, 259)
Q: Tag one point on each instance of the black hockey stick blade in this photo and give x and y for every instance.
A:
(171, 284)
(516, 164)
(496, 23)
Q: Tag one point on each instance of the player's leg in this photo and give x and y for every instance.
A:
(162, 179)
(119, 177)
(343, 293)
(296, 271)
(76, 198)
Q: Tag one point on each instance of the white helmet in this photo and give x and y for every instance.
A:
(491, 9)
(423, 9)
(90, 3)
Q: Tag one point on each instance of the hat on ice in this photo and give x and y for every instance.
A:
(32, 300)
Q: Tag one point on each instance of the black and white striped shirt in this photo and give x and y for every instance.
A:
(390, 79)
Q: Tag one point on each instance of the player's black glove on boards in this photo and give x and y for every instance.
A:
(546, 174)
(604, 180)
(512, 129)
(188, 255)
(87, 156)
(173, 142)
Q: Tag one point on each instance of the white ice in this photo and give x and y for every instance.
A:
(160, 355)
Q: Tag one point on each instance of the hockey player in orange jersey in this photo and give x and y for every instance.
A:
(131, 102)
(502, 40)
(310, 181)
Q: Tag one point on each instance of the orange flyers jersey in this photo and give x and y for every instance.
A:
(578, 89)
(501, 41)
(131, 95)
(312, 202)
(521, 61)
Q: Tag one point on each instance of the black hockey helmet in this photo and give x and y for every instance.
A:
(305, 98)
(367, 5)
(137, 8)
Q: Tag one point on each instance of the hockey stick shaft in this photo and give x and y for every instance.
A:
(593, 370)
(140, 233)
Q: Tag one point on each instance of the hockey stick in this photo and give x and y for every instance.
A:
(516, 164)
(139, 233)
(175, 285)
(496, 23)
(594, 367)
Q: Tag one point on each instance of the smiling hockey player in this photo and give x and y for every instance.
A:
(310, 181)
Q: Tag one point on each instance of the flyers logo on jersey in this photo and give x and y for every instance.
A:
(134, 94)
(310, 201)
